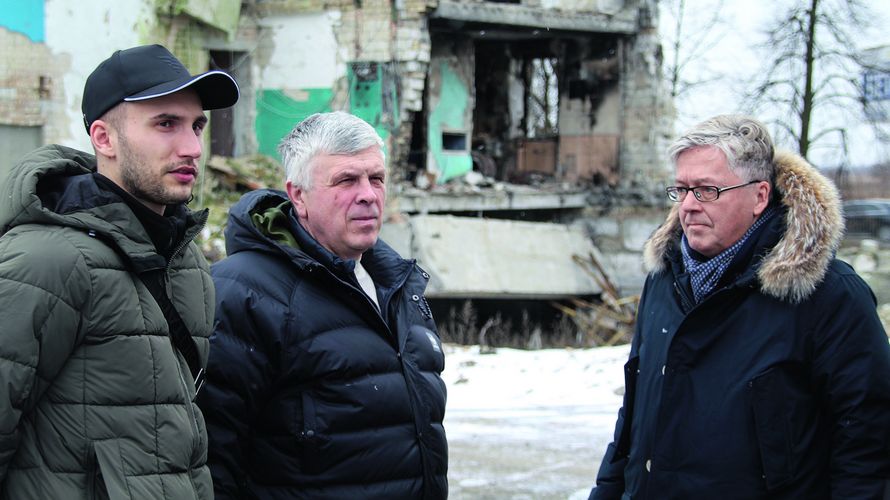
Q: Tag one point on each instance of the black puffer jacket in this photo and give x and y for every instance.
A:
(311, 392)
(776, 386)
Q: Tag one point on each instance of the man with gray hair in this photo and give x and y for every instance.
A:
(759, 367)
(324, 373)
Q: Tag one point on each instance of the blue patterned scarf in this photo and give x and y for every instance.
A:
(705, 274)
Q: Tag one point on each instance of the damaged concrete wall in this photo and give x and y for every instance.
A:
(54, 69)
(450, 103)
(648, 115)
(619, 234)
(476, 257)
(373, 58)
(28, 86)
(49, 75)
(590, 117)
(378, 49)
(221, 14)
(602, 57)
(300, 64)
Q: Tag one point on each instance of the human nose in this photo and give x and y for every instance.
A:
(190, 145)
(690, 202)
(366, 191)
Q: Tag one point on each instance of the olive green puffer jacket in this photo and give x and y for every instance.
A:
(95, 402)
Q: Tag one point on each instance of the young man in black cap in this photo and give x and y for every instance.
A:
(105, 301)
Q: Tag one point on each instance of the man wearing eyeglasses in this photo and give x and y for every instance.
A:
(759, 367)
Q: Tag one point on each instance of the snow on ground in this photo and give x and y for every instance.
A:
(529, 424)
(519, 379)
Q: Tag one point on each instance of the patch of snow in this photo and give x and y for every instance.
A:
(529, 424)
(543, 380)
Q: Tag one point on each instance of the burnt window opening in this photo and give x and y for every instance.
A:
(44, 84)
(541, 115)
(417, 150)
(223, 121)
(454, 141)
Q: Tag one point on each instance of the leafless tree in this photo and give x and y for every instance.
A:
(540, 117)
(808, 90)
(695, 27)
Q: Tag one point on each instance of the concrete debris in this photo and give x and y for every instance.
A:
(871, 260)
(609, 321)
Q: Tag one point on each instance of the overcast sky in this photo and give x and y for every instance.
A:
(737, 56)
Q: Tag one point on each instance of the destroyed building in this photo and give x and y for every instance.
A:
(518, 133)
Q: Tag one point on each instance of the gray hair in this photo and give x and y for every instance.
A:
(335, 133)
(744, 140)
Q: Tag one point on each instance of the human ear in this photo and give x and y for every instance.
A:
(763, 194)
(295, 194)
(102, 137)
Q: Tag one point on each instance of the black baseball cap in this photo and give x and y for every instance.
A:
(147, 72)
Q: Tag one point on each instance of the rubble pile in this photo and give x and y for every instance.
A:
(871, 260)
(608, 321)
(224, 181)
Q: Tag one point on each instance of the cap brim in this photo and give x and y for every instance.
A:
(216, 89)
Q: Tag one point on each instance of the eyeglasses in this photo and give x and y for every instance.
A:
(702, 193)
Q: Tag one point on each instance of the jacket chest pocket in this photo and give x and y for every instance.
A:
(306, 424)
(784, 422)
(309, 441)
(109, 480)
(631, 371)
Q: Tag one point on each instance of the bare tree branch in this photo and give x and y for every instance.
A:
(807, 77)
(691, 40)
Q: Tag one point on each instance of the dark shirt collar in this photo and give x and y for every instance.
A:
(165, 231)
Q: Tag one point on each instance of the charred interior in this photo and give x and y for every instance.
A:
(536, 110)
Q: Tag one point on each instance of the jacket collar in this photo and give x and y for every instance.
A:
(813, 229)
(383, 264)
(55, 185)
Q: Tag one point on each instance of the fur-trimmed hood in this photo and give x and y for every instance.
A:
(814, 229)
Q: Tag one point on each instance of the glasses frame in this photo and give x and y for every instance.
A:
(695, 191)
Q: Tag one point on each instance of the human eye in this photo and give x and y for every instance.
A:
(707, 192)
(199, 125)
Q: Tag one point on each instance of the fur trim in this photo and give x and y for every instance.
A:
(814, 229)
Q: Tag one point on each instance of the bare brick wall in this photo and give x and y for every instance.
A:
(26, 80)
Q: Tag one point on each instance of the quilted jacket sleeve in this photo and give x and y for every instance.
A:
(239, 372)
(852, 366)
(43, 282)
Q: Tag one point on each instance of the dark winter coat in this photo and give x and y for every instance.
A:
(95, 402)
(312, 393)
(776, 386)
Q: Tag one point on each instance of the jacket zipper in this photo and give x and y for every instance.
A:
(369, 302)
(684, 299)
(185, 242)
(399, 288)
(193, 419)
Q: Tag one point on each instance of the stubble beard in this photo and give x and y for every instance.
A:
(140, 179)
